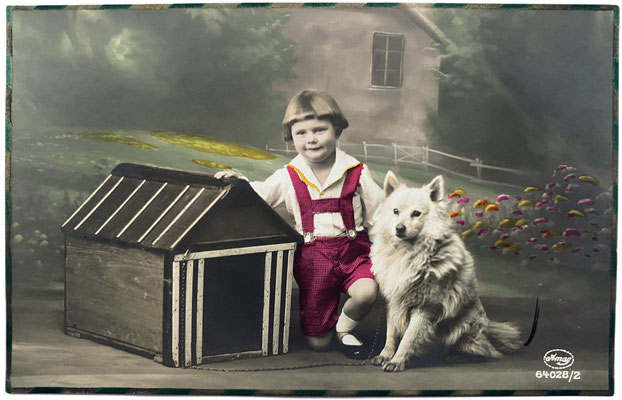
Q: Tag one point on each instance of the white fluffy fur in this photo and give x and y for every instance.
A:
(427, 278)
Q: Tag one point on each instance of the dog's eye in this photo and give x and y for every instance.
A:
(415, 213)
(396, 211)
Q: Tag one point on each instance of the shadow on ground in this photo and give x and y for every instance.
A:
(41, 355)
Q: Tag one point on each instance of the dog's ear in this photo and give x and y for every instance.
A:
(436, 188)
(390, 183)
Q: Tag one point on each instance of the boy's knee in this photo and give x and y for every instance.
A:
(320, 343)
(364, 291)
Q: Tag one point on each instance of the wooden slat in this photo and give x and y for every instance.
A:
(87, 200)
(233, 356)
(155, 211)
(175, 200)
(129, 210)
(196, 219)
(178, 216)
(152, 212)
(120, 207)
(199, 313)
(189, 313)
(266, 305)
(98, 203)
(277, 303)
(235, 251)
(141, 210)
(175, 315)
(115, 291)
(288, 300)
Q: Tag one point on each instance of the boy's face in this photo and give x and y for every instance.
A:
(315, 140)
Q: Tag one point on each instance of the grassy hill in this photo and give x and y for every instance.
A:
(52, 173)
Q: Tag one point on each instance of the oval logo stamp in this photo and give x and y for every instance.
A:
(558, 359)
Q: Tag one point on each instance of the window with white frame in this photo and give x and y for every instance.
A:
(386, 61)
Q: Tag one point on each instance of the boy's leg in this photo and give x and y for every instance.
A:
(363, 293)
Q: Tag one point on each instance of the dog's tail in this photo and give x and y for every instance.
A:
(505, 336)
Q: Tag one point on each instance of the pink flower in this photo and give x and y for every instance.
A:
(588, 202)
(570, 177)
(571, 232)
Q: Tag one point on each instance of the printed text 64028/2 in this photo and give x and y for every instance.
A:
(569, 375)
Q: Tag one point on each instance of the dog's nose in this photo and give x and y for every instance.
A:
(400, 229)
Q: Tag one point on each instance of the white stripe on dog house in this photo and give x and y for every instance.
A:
(199, 314)
(142, 209)
(238, 251)
(188, 319)
(99, 203)
(121, 206)
(190, 226)
(288, 300)
(164, 212)
(87, 200)
(182, 212)
(175, 316)
(277, 302)
(266, 304)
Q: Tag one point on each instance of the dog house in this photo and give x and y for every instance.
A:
(179, 266)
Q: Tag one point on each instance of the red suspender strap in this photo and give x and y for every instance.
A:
(343, 204)
(347, 193)
(304, 201)
(325, 206)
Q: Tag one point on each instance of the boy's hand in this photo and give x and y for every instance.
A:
(228, 174)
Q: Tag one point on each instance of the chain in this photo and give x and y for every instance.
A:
(304, 366)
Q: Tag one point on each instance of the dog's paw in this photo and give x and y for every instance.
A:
(393, 366)
(379, 360)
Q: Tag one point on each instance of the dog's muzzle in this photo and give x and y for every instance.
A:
(400, 231)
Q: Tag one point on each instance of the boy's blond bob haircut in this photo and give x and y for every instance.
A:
(310, 104)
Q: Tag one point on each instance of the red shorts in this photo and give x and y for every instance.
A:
(324, 268)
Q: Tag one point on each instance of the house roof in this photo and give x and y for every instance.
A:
(163, 209)
(415, 14)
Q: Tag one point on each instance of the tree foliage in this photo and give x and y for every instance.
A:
(202, 71)
(526, 88)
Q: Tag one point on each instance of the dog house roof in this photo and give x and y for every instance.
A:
(166, 209)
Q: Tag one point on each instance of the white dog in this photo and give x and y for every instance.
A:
(427, 279)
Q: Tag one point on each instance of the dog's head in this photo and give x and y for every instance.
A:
(408, 212)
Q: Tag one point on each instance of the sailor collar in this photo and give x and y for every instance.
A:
(343, 163)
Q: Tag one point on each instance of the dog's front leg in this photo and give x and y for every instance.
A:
(391, 343)
(417, 335)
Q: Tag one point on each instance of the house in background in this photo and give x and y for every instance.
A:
(376, 62)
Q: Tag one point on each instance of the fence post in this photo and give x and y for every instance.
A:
(478, 167)
(425, 157)
(365, 150)
(395, 153)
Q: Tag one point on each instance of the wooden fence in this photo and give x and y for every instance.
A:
(426, 157)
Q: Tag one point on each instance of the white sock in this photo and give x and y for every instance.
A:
(344, 326)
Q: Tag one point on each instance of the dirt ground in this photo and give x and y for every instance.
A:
(44, 359)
